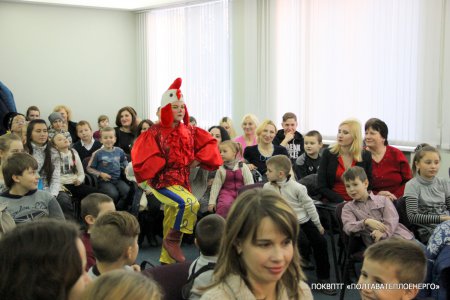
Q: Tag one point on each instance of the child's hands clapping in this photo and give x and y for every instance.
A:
(375, 225)
(376, 235)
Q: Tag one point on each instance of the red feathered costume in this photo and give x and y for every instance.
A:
(161, 161)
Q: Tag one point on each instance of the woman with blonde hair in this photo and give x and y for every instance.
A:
(249, 124)
(258, 257)
(122, 284)
(227, 123)
(347, 152)
(69, 125)
(257, 155)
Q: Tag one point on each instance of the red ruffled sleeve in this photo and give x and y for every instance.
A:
(146, 157)
(206, 150)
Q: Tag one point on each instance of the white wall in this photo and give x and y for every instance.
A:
(84, 58)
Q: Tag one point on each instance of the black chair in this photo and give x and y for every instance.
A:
(327, 211)
(352, 250)
(421, 233)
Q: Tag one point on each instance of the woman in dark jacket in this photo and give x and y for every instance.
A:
(346, 153)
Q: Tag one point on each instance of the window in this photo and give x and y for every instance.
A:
(191, 42)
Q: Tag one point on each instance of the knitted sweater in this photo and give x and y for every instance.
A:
(297, 196)
(427, 200)
(39, 155)
(33, 205)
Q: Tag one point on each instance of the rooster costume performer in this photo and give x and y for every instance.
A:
(162, 157)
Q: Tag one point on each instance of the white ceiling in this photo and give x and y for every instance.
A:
(114, 4)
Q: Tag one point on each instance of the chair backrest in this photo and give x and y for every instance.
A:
(250, 186)
(171, 278)
(400, 205)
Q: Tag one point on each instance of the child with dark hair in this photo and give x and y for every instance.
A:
(49, 166)
(24, 202)
(92, 207)
(208, 234)
(102, 121)
(87, 144)
(114, 241)
(396, 266)
(308, 162)
(374, 217)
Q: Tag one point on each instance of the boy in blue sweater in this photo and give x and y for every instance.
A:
(107, 164)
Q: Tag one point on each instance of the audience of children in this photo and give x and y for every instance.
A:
(107, 164)
(57, 126)
(227, 123)
(49, 166)
(249, 124)
(87, 145)
(346, 153)
(114, 241)
(230, 177)
(427, 196)
(9, 143)
(102, 122)
(72, 172)
(208, 234)
(280, 181)
(392, 262)
(308, 162)
(93, 206)
(373, 217)
(258, 257)
(370, 214)
(257, 155)
(390, 168)
(289, 137)
(23, 201)
(120, 285)
(44, 259)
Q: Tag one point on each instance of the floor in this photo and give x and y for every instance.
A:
(151, 254)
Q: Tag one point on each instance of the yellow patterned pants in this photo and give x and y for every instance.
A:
(180, 213)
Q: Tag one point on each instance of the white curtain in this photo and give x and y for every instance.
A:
(363, 59)
(191, 42)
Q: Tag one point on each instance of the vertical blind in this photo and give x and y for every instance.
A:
(191, 42)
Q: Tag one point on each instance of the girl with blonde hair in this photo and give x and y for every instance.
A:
(258, 257)
(347, 152)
